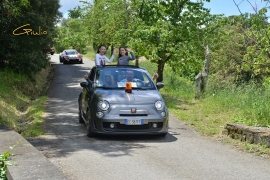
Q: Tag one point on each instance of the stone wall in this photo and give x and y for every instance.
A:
(253, 135)
(28, 162)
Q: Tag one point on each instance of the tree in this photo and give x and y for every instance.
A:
(23, 50)
(166, 32)
(76, 36)
(9, 11)
(255, 63)
(109, 22)
(174, 33)
(75, 13)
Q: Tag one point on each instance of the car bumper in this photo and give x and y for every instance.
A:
(73, 60)
(150, 126)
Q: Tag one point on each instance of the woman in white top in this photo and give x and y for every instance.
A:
(100, 57)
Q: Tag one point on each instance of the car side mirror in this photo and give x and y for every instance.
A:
(83, 84)
(159, 85)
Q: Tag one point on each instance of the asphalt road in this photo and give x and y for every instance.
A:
(182, 154)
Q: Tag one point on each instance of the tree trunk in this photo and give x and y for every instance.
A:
(207, 60)
(137, 60)
(161, 65)
(112, 47)
(136, 57)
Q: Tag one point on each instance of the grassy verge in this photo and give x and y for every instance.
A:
(22, 100)
(221, 104)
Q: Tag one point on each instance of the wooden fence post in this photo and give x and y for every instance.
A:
(201, 78)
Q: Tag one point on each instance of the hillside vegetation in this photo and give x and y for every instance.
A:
(23, 99)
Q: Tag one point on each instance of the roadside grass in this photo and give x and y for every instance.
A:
(22, 100)
(220, 105)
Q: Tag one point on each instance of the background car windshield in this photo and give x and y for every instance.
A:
(71, 52)
(116, 78)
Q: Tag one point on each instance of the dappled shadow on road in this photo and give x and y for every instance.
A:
(137, 138)
(64, 135)
(68, 137)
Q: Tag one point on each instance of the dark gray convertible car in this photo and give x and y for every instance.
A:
(122, 100)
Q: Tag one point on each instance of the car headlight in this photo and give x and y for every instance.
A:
(163, 114)
(159, 105)
(103, 105)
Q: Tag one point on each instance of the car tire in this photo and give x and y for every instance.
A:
(81, 61)
(88, 127)
(163, 134)
(80, 117)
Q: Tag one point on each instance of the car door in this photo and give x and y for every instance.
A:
(88, 92)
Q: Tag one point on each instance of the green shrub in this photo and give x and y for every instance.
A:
(4, 162)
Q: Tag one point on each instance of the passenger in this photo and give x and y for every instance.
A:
(100, 58)
(87, 79)
(108, 81)
(123, 57)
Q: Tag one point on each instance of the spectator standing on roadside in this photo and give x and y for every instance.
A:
(123, 57)
(100, 58)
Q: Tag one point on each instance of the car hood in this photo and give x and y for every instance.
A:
(136, 97)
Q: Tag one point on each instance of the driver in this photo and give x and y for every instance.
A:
(130, 77)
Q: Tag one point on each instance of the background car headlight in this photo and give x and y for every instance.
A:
(159, 105)
(103, 105)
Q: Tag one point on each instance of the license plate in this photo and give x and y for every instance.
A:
(133, 122)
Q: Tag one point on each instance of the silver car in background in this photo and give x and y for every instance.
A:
(70, 55)
(122, 100)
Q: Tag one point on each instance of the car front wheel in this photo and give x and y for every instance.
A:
(163, 134)
(89, 126)
(80, 117)
(89, 132)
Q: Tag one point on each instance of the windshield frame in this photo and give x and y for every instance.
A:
(143, 79)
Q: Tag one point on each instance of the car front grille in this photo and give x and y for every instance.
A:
(123, 127)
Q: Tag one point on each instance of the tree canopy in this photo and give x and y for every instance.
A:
(28, 29)
(166, 32)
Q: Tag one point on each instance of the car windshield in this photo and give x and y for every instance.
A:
(116, 78)
(70, 52)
